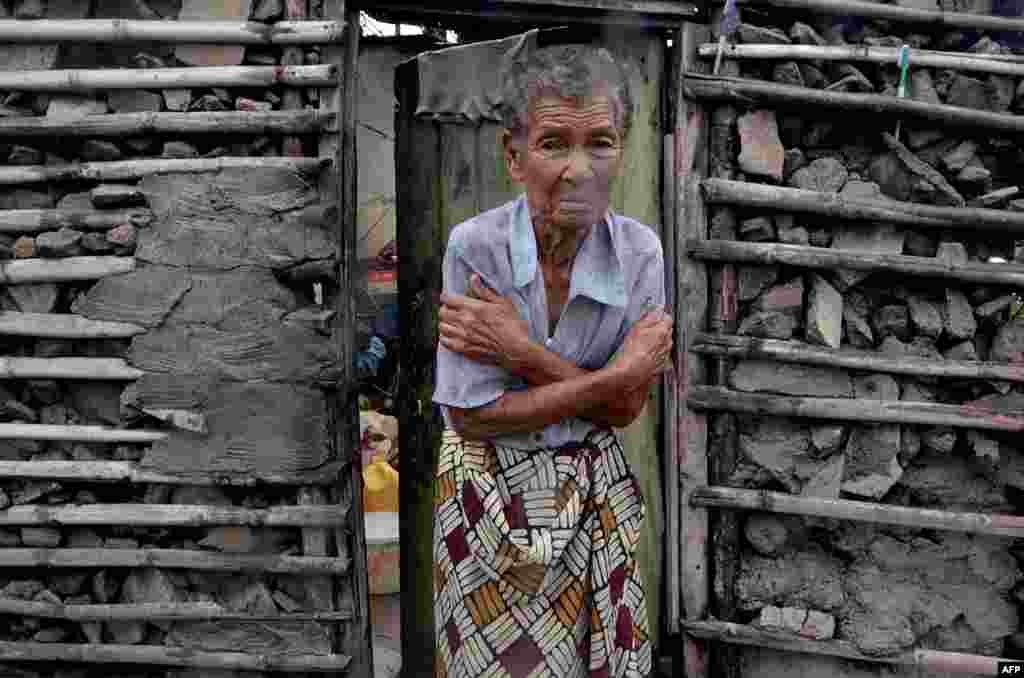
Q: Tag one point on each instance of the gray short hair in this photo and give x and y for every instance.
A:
(569, 71)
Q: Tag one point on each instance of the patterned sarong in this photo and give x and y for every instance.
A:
(534, 562)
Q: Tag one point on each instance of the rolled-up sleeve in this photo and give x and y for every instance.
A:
(459, 381)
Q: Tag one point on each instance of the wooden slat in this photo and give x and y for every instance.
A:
(128, 472)
(160, 655)
(933, 17)
(171, 559)
(166, 515)
(35, 221)
(138, 124)
(63, 270)
(155, 612)
(749, 194)
(646, 13)
(691, 128)
(870, 361)
(1000, 64)
(111, 31)
(750, 92)
(996, 524)
(852, 409)
(86, 80)
(121, 170)
(64, 326)
(83, 433)
(833, 259)
(928, 660)
(67, 368)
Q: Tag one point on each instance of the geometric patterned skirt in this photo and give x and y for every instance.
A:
(535, 574)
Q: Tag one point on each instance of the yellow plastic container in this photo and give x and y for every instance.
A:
(380, 486)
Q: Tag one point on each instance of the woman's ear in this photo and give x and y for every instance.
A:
(513, 152)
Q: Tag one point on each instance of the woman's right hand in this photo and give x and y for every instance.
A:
(647, 349)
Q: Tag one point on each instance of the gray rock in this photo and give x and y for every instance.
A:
(134, 101)
(104, 587)
(818, 625)
(177, 99)
(776, 445)
(22, 589)
(891, 320)
(179, 149)
(33, 297)
(918, 244)
(828, 175)
(268, 11)
(806, 578)
(761, 150)
(123, 237)
(785, 298)
(24, 155)
(922, 88)
(126, 632)
(197, 495)
(952, 253)
(143, 297)
(107, 196)
(958, 316)
(995, 198)
(1008, 343)
(875, 238)
(749, 33)
(974, 175)
(803, 34)
(751, 281)
(926, 316)
(245, 540)
(98, 401)
(212, 55)
(945, 194)
(876, 387)
(790, 379)
(788, 73)
(45, 537)
(96, 243)
(281, 639)
(824, 314)
(59, 244)
(768, 325)
(940, 439)
(858, 331)
(757, 229)
(98, 150)
(872, 467)
(766, 534)
(312, 317)
(965, 350)
(827, 438)
(854, 82)
(959, 157)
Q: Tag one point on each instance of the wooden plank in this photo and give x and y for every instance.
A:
(156, 515)
(110, 31)
(139, 124)
(752, 92)
(754, 348)
(180, 559)
(36, 221)
(160, 655)
(852, 409)
(115, 369)
(154, 612)
(83, 433)
(691, 304)
(121, 170)
(928, 660)
(293, 99)
(636, 13)
(128, 472)
(461, 174)
(995, 524)
(64, 326)
(825, 258)
(933, 17)
(63, 270)
(496, 186)
(87, 81)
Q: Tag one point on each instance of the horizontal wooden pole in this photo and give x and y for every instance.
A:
(180, 559)
(64, 326)
(141, 124)
(999, 64)
(61, 270)
(82, 433)
(641, 13)
(748, 194)
(928, 660)
(746, 91)
(997, 524)
(36, 221)
(188, 32)
(852, 409)
(156, 611)
(121, 170)
(853, 359)
(161, 655)
(174, 515)
(82, 80)
(932, 17)
(832, 259)
(128, 472)
(114, 369)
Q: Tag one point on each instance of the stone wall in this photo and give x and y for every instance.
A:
(236, 349)
(885, 589)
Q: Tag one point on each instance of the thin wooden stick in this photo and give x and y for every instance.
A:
(1000, 64)
(748, 92)
(852, 409)
(64, 326)
(171, 559)
(929, 660)
(996, 524)
(156, 611)
(935, 18)
(67, 368)
(180, 32)
(62, 270)
(832, 259)
(749, 194)
(853, 359)
(165, 515)
(83, 433)
(140, 124)
(128, 472)
(82, 80)
(160, 655)
(36, 221)
(121, 170)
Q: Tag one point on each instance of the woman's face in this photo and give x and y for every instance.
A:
(571, 153)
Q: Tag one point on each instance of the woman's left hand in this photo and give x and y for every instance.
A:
(484, 327)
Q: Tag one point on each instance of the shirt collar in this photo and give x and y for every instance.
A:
(597, 271)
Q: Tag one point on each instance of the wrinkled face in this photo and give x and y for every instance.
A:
(571, 153)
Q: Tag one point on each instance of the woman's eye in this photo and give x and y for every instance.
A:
(604, 142)
(550, 144)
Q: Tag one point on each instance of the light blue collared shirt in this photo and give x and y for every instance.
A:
(619, 268)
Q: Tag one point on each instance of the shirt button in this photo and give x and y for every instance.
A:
(550, 341)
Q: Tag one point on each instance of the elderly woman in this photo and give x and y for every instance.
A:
(552, 331)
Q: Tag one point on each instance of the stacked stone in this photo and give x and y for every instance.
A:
(884, 589)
